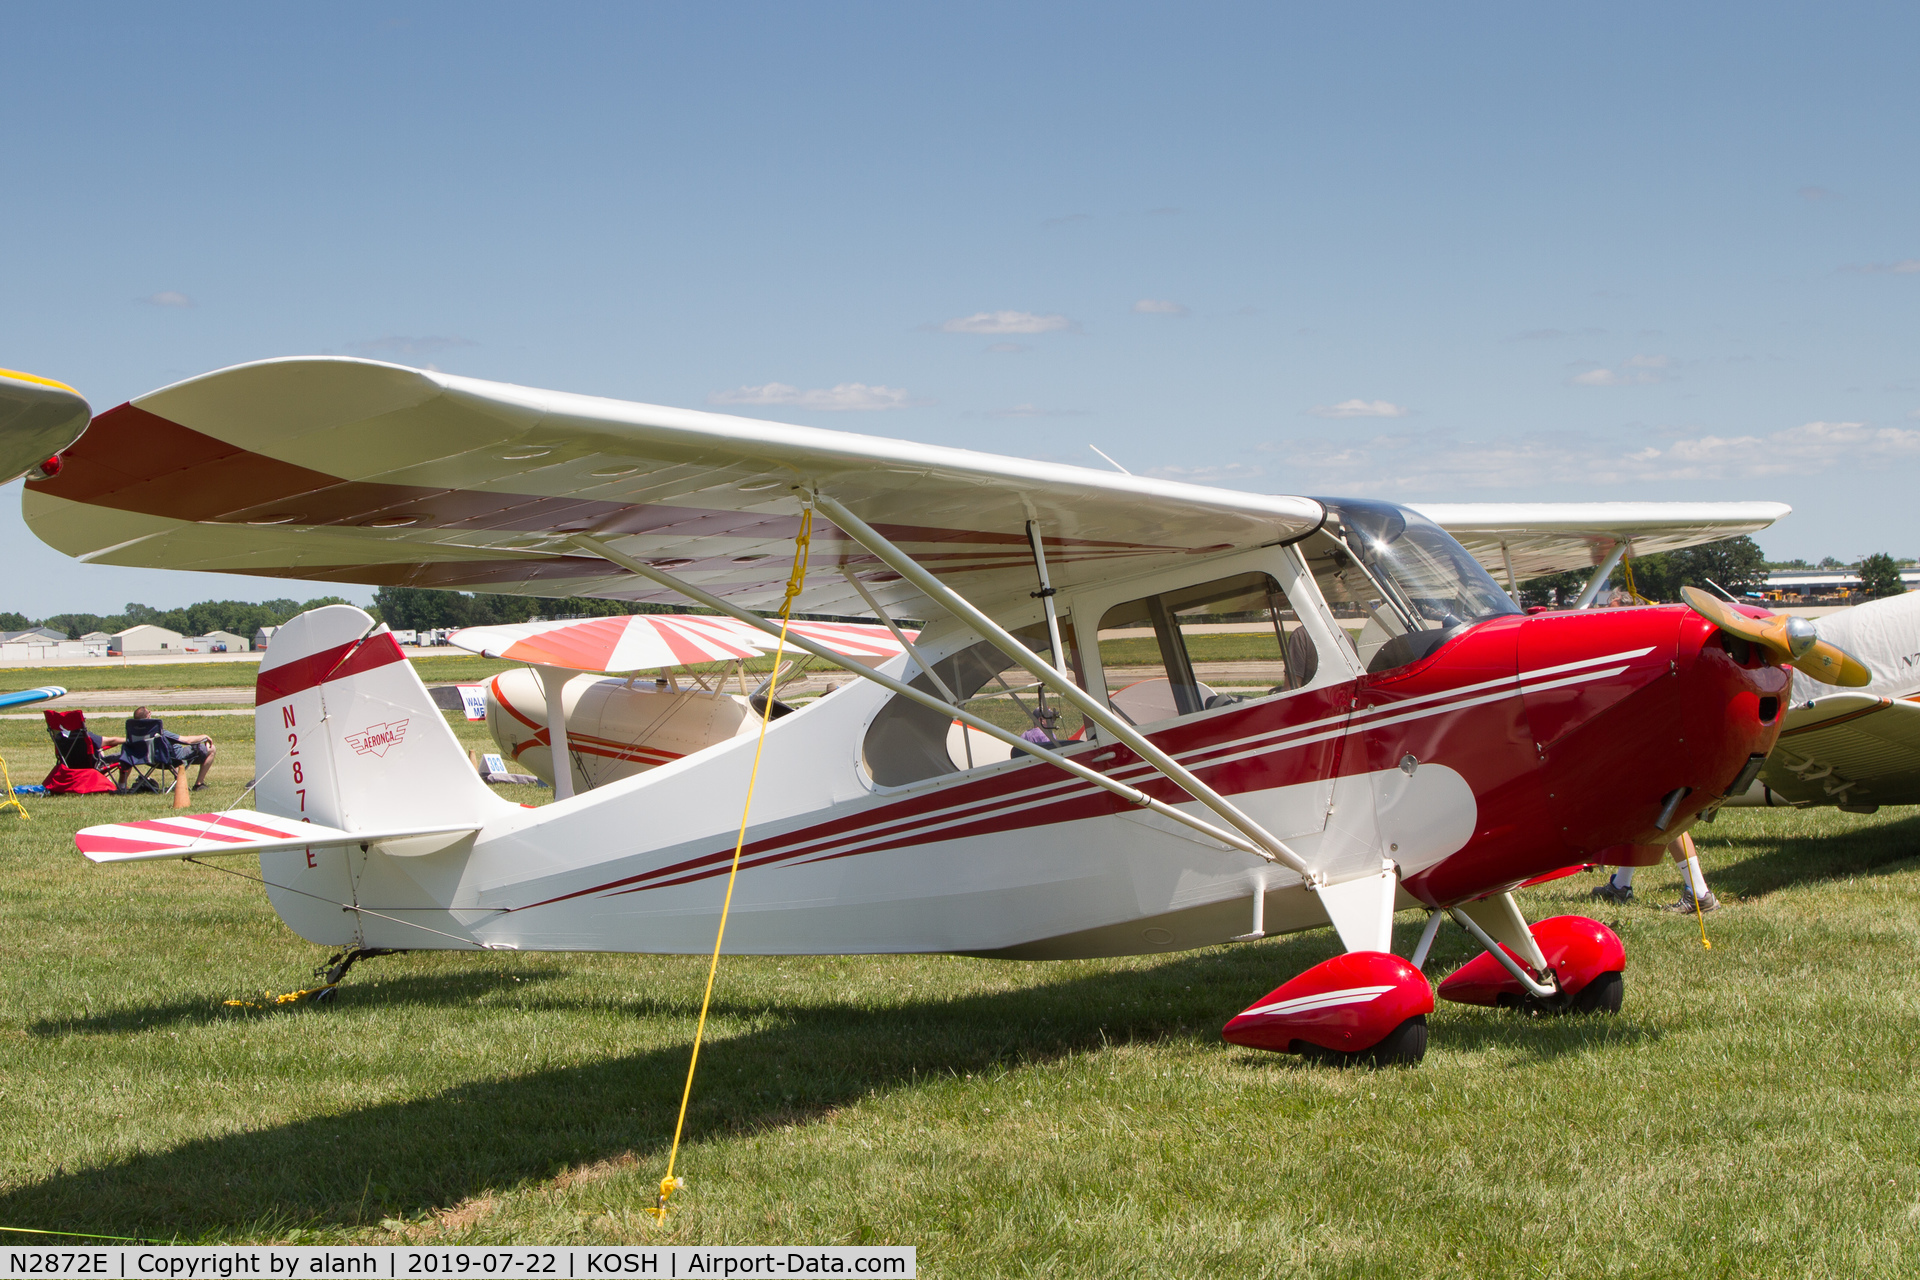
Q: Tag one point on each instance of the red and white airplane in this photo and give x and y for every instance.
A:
(1457, 750)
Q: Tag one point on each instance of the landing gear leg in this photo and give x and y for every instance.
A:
(1574, 966)
(334, 971)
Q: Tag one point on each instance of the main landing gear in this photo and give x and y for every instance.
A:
(1369, 1008)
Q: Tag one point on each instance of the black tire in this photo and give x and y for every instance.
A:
(1403, 1046)
(1603, 995)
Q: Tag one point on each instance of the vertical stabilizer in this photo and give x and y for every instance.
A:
(346, 735)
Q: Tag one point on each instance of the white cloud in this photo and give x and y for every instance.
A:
(1006, 322)
(1032, 411)
(845, 395)
(167, 298)
(1359, 409)
(1904, 267)
(1402, 465)
(1637, 369)
(1158, 307)
(1548, 335)
(1225, 472)
(394, 346)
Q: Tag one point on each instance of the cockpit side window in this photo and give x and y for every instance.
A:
(908, 742)
(1149, 648)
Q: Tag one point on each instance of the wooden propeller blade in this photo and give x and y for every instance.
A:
(1815, 658)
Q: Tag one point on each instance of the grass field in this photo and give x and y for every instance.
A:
(1751, 1112)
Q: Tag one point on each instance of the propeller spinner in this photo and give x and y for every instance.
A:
(1788, 639)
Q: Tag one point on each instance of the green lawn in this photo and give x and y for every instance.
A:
(1751, 1112)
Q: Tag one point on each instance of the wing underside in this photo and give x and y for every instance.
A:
(338, 470)
(1557, 537)
(1847, 749)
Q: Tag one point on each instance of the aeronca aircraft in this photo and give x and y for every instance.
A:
(1453, 749)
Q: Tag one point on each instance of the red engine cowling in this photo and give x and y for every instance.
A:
(1347, 1004)
(1577, 949)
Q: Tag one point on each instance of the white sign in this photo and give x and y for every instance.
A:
(494, 763)
(474, 698)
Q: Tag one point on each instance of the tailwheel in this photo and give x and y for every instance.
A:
(1365, 1008)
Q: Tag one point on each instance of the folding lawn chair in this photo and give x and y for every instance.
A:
(146, 753)
(77, 766)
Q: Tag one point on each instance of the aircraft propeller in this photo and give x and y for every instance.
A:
(1789, 639)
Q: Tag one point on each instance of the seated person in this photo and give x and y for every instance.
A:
(77, 765)
(1045, 731)
(191, 748)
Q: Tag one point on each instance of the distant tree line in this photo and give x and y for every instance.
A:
(1736, 564)
(423, 609)
(238, 616)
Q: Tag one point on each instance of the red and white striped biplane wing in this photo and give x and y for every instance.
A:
(648, 641)
(209, 835)
(344, 470)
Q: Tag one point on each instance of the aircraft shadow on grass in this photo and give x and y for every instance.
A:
(391, 992)
(1789, 858)
(402, 1158)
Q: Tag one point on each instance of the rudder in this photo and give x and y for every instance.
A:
(345, 734)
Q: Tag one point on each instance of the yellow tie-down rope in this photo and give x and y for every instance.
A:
(11, 801)
(669, 1184)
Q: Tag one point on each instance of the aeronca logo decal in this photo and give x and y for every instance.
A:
(376, 738)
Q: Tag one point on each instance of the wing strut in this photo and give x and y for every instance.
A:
(1133, 795)
(1090, 707)
(1601, 574)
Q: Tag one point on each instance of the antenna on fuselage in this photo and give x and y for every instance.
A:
(1722, 590)
(1116, 466)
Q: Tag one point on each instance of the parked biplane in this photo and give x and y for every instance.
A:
(1454, 750)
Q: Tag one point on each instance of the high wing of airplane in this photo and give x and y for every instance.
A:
(1447, 755)
(39, 418)
(1521, 540)
(1859, 748)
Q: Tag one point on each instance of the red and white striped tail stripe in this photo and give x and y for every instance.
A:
(242, 830)
(223, 835)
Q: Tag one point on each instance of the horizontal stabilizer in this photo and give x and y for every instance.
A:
(201, 835)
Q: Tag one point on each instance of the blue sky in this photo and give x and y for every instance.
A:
(1473, 253)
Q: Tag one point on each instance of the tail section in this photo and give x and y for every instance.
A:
(346, 736)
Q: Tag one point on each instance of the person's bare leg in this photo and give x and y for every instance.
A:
(206, 764)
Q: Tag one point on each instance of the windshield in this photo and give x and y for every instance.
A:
(1426, 578)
